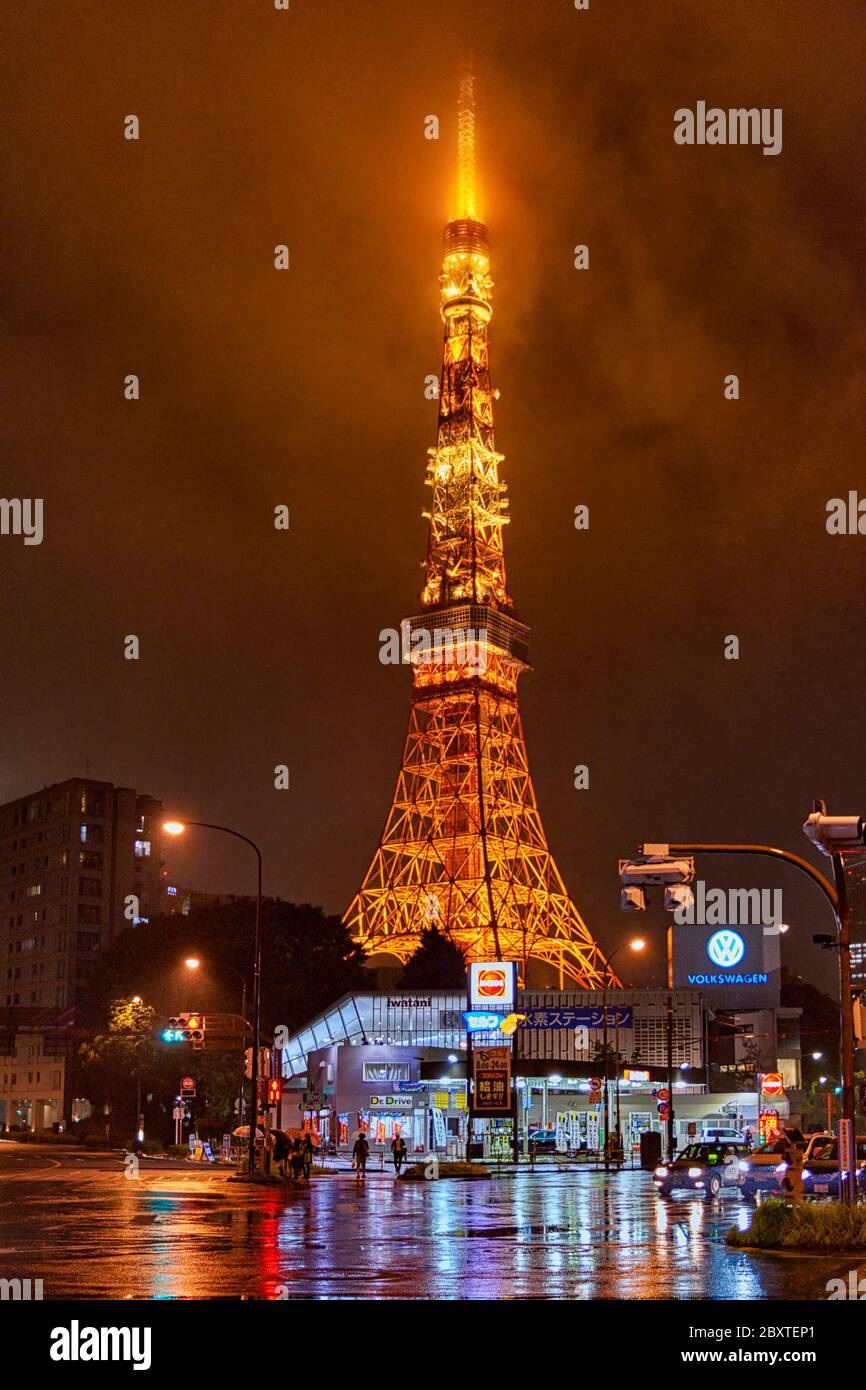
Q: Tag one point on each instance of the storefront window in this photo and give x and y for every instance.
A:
(386, 1071)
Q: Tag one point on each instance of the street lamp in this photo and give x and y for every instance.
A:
(193, 963)
(636, 944)
(177, 827)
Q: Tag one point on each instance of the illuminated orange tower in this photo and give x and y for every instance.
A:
(463, 845)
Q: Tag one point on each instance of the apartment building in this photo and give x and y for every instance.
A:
(79, 861)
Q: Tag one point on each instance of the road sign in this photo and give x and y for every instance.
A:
(664, 1109)
(772, 1084)
(663, 1093)
(187, 1088)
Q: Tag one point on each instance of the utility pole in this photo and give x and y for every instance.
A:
(670, 1043)
(832, 835)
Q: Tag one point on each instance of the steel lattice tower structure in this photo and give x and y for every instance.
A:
(463, 844)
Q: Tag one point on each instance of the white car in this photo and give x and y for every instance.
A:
(717, 1135)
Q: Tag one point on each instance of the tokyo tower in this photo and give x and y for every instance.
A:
(463, 846)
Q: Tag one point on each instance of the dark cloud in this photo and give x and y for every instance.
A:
(707, 517)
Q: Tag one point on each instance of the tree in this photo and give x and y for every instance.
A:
(116, 1068)
(308, 961)
(438, 963)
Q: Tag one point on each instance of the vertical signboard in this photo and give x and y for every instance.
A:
(491, 1083)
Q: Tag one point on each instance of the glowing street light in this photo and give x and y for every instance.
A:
(177, 827)
(636, 944)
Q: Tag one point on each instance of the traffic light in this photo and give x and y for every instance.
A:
(275, 1090)
(186, 1028)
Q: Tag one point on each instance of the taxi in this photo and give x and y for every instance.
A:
(705, 1168)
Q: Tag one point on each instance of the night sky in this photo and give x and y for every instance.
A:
(306, 388)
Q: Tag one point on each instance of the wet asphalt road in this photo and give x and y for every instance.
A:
(180, 1232)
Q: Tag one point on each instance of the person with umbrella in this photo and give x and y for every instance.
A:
(307, 1154)
(360, 1154)
(281, 1148)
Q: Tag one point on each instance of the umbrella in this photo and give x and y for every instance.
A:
(243, 1132)
(294, 1133)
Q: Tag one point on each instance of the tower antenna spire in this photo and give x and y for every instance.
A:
(466, 202)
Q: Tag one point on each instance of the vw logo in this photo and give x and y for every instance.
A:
(726, 948)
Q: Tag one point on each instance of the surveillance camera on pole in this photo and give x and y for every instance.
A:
(632, 900)
(832, 834)
(679, 895)
(655, 867)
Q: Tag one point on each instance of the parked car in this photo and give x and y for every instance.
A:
(821, 1172)
(542, 1141)
(767, 1166)
(718, 1135)
(704, 1167)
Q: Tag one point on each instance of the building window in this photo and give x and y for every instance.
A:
(34, 890)
(90, 888)
(386, 1071)
(142, 849)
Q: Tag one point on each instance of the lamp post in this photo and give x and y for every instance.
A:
(637, 944)
(834, 836)
(193, 963)
(175, 827)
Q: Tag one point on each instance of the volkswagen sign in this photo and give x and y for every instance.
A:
(726, 948)
(734, 967)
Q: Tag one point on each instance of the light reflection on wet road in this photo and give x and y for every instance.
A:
(89, 1233)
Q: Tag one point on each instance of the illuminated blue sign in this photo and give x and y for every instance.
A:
(617, 1017)
(726, 948)
(479, 1021)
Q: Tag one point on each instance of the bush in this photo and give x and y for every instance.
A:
(40, 1136)
(776, 1225)
(418, 1172)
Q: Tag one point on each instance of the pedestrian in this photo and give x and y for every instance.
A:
(281, 1150)
(398, 1152)
(297, 1160)
(307, 1155)
(747, 1138)
(360, 1154)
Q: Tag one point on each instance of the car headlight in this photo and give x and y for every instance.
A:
(806, 1173)
(781, 1169)
(744, 1166)
(696, 1172)
(661, 1172)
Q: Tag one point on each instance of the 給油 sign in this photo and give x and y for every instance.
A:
(491, 1082)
